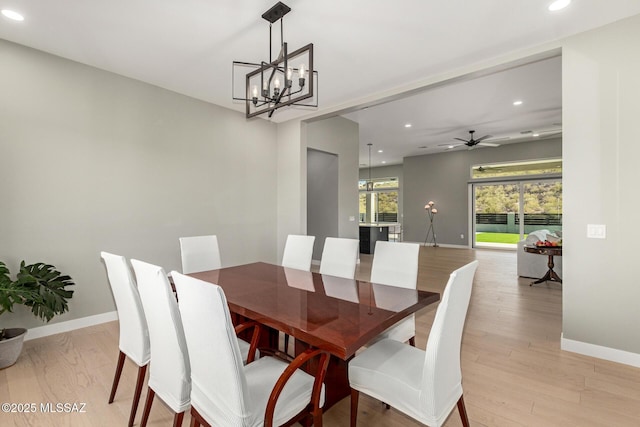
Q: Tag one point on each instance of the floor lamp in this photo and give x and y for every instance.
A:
(431, 231)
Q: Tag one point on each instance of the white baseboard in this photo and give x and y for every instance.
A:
(601, 352)
(70, 325)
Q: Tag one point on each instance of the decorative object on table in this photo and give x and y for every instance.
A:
(271, 85)
(38, 286)
(431, 231)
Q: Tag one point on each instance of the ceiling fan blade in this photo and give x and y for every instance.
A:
(488, 144)
(483, 138)
(463, 140)
(450, 145)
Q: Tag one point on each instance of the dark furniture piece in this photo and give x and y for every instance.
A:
(550, 251)
(370, 234)
(295, 302)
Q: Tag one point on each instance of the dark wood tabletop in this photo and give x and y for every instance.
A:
(544, 250)
(334, 314)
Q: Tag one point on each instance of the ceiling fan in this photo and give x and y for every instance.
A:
(471, 142)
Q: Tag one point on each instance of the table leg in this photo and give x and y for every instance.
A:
(550, 275)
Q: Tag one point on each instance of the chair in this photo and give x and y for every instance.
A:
(298, 251)
(396, 264)
(267, 391)
(134, 334)
(424, 384)
(170, 372)
(199, 253)
(339, 257)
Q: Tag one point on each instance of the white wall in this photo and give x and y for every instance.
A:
(292, 182)
(93, 161)
(601, 97)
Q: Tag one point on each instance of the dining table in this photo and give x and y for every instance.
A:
(330, 313)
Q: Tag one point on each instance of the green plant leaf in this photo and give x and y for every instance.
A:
(46, 288)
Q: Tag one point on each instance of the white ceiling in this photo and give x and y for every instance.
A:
(362, 47)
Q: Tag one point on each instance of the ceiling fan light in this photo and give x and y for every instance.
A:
(12, 15)
(558, 5)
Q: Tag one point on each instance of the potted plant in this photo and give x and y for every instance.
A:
(38, 286)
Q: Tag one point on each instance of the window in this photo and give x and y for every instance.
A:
(381, 204)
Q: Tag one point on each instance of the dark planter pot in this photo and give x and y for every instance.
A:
(11, 346)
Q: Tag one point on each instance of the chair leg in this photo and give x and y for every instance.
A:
(116, 377)
(197, 420)
(147, 407)
(286, 343)
(412, 341)
(142, 372)
(177, 419)
(317, 419)
(355, 394)
(463, 412)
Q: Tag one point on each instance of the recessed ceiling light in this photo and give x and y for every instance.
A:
(451, 146)
(380, 151)
(12, 15)
(535, 134)
(559, 4)
(517, 102)
(383, 162)
(407, 125)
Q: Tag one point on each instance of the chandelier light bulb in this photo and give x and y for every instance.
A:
(301, 71)
(276, 84)
(255, 91)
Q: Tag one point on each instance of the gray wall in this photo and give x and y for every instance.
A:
(444, 178)
(340, 136)
(601, 98)
(322, 198)
(93, 161)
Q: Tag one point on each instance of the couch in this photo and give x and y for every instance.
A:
(534, 265)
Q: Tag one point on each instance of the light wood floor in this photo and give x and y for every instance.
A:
(514, 372)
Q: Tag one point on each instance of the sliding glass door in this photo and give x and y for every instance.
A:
(506, 212)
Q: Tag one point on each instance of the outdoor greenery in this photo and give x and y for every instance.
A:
(508, 238)
(503, 198)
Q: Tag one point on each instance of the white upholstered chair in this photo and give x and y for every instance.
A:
(424, 384)
(396, 264)
(199, 253)
(170, 372)
(298, 251)
(134, 335)
(339, 257)
(225, 392)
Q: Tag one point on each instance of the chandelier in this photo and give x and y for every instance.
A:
(285, 81)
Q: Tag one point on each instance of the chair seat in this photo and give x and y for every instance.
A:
(261, 376)
(390, 371)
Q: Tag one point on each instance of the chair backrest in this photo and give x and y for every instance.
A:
(339, 257)
(395, 264)
(298, 251)
(134, 334)
(199, 253)
(442, 377)
(170, 372)
(216, 364)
